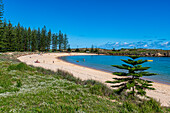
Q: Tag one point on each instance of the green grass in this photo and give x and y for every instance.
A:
(45, 92)
(28, 89)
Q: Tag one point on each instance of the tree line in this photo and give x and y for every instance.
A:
(19, 38)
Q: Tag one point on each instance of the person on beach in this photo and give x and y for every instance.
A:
(37, 61)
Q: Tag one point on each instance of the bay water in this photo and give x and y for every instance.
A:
(160, 65)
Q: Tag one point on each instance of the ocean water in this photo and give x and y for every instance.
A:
(160, 65)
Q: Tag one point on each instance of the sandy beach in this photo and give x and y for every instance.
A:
(51, 61)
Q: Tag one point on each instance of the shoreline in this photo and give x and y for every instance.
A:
(60, 58)
(162, 92)
(156, 81)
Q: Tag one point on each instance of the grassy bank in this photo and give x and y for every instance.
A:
(28, 89)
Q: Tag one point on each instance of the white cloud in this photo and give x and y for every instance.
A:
(154, 44)
(165, 43)
(117, 43)
(126, 43)
(131, 45)
(145, 46)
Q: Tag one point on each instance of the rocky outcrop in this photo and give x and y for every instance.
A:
(159, 55)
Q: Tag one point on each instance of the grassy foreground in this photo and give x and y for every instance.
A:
(28, 89)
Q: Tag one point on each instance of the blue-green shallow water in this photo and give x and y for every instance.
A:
(160, 65)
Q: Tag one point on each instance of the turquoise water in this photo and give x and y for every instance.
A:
(160, 65)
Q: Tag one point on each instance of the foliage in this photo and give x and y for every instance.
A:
(19, 83)
(77, 50)
(54, 42)
(69, 49)
(86, 50)
(65, 42)
(18, 38)
(41, 90)
(20, 67)
(96, 50)
(52, 93)
(140, 52)
(2, 40)
(60, 39)
(92, 49)
(48, 41)
(132, 80)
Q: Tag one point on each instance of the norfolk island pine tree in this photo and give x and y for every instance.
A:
(2, 45)
(131, 80)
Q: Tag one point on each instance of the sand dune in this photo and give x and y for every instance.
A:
(51, 61)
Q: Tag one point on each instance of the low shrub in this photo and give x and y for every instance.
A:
(20, 67)
(129, 107)
(69, 76)
(99, 88)
(150, 105)
(19, 83)
(95, 86)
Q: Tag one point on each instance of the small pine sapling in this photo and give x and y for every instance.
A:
(132, 80)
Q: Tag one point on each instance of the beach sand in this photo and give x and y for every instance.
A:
(51, 61)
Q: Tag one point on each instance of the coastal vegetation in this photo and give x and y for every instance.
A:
(132, 81)
(26, 88)
(19, 38)
(126, 52)
(139, 52)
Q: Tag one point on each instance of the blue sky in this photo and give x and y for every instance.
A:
(98, 22)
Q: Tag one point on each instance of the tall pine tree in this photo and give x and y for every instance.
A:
(92, 49)
(10, 38)
(43, 39)
(22, 39)
(4, 36)
(2, 43)
(54, 42)
(48, 40)
(33, 40)
(18, 34)
(25, 40)
(65, 42)
(38, 39)
(60, 40)
(29, 39)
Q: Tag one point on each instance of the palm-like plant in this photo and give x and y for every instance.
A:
(133, 81)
